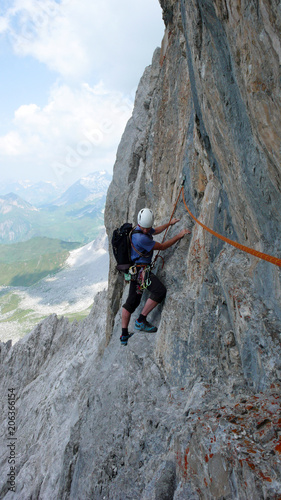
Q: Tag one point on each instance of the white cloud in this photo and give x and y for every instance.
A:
(98, 50)
(77, 129)
(12, 144)
(4, 25)
(77, 38)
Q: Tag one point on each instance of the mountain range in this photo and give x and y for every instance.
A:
(86, 189)
(37, 194)
(44, 210)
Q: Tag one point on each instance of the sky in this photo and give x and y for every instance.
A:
(69, 73)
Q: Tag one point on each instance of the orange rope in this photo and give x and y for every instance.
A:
(256, 253)
(175, 206)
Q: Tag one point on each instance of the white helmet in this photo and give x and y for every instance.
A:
(145, 218)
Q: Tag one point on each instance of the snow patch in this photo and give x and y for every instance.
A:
(70, 291)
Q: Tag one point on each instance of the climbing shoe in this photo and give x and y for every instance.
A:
(144, 326)
(124, 339)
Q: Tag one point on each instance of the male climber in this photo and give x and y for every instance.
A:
(141, 254)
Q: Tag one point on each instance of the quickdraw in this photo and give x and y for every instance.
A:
(143, 278)
(141, 274)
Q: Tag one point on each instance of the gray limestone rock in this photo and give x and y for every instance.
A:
(192, 411)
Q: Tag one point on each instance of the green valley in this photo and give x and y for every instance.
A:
(78, 222)
(25, 263)
(53, 251)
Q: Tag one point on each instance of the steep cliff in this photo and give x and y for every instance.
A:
(193, 411)
(209, 109)
(211, 112)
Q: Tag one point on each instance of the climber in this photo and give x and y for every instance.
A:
(141, 253)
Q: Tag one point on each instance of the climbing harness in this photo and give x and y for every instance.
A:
(141, 274)
(251, 251)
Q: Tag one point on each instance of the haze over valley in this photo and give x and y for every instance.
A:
(53, 251)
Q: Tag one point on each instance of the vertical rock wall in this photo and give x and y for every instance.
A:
(192, 412)
(209, 108)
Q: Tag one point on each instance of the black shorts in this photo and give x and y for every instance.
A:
(157, 293)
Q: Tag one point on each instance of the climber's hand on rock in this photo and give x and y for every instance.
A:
(183, 233)
(174, 221)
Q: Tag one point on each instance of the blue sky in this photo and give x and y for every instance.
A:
(69, 71)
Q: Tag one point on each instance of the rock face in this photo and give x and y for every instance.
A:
(193, 411)
(211, 111)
